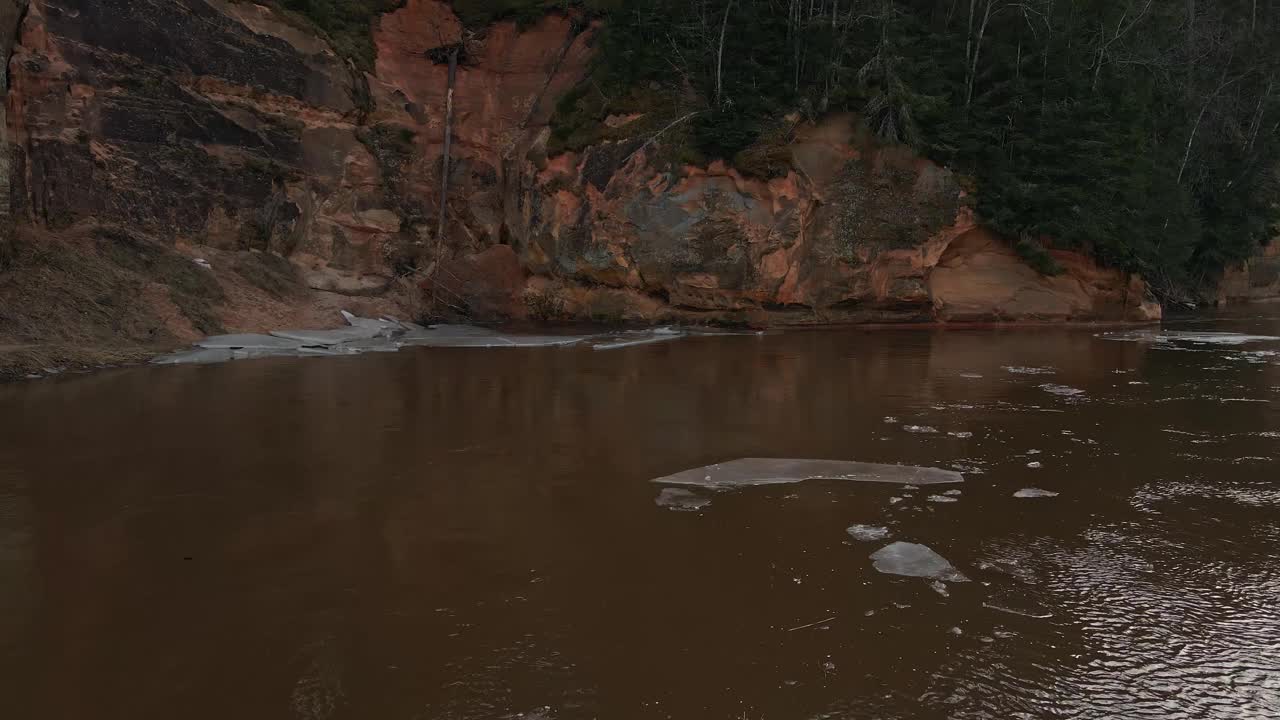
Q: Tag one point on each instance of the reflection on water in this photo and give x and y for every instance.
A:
(473, 534)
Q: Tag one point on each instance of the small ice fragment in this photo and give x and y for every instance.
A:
(891, 420)
(971, 376)
(1034, 465)
(867, 533)
(961, 434)
(1033, 452)
(941, 499)
(370, 323)
(895, 500)
(682, 500)
(940, 587)
(1062, 390)
(1035, 493)
(1036, 613)
(921, 429)
(869, 613)
(910, 487)
(914, 560)
(1016, 370)
(952, 492)
(956, 631)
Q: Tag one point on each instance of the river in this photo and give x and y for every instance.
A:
(460, 533)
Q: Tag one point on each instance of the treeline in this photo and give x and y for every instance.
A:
(1143, 130)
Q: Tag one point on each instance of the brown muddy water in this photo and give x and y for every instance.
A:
(455, 533)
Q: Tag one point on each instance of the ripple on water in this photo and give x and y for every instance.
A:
(1147, 622)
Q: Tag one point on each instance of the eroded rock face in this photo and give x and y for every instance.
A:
(1256, 281)
(219, 124)
(10, 14)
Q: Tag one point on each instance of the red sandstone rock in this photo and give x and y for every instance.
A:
(296, 153)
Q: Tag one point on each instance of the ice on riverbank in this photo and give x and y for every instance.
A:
(1193, 338)
(363, 335)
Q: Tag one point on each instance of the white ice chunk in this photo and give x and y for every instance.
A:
(867, 533)
(1035, 493)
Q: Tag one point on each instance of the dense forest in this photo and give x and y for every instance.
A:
(1147, 131)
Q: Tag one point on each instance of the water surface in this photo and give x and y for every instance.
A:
(460, 533)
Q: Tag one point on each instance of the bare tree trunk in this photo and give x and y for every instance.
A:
(448, 142)
(1191, 139)
(1256, 124)
(977, 51)
(724, 27)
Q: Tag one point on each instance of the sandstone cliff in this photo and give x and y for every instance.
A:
(229, 132)
(1257, 280)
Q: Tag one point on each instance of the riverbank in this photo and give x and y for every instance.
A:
(35, 361)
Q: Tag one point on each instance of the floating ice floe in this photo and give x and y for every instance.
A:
(1034, 465)
(1035, 493)
(914, 560)
(867, 533)
(681, 499)
(941, 499)
(747, 472)
(960, 434)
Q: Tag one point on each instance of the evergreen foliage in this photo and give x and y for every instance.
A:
(1145, 132)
